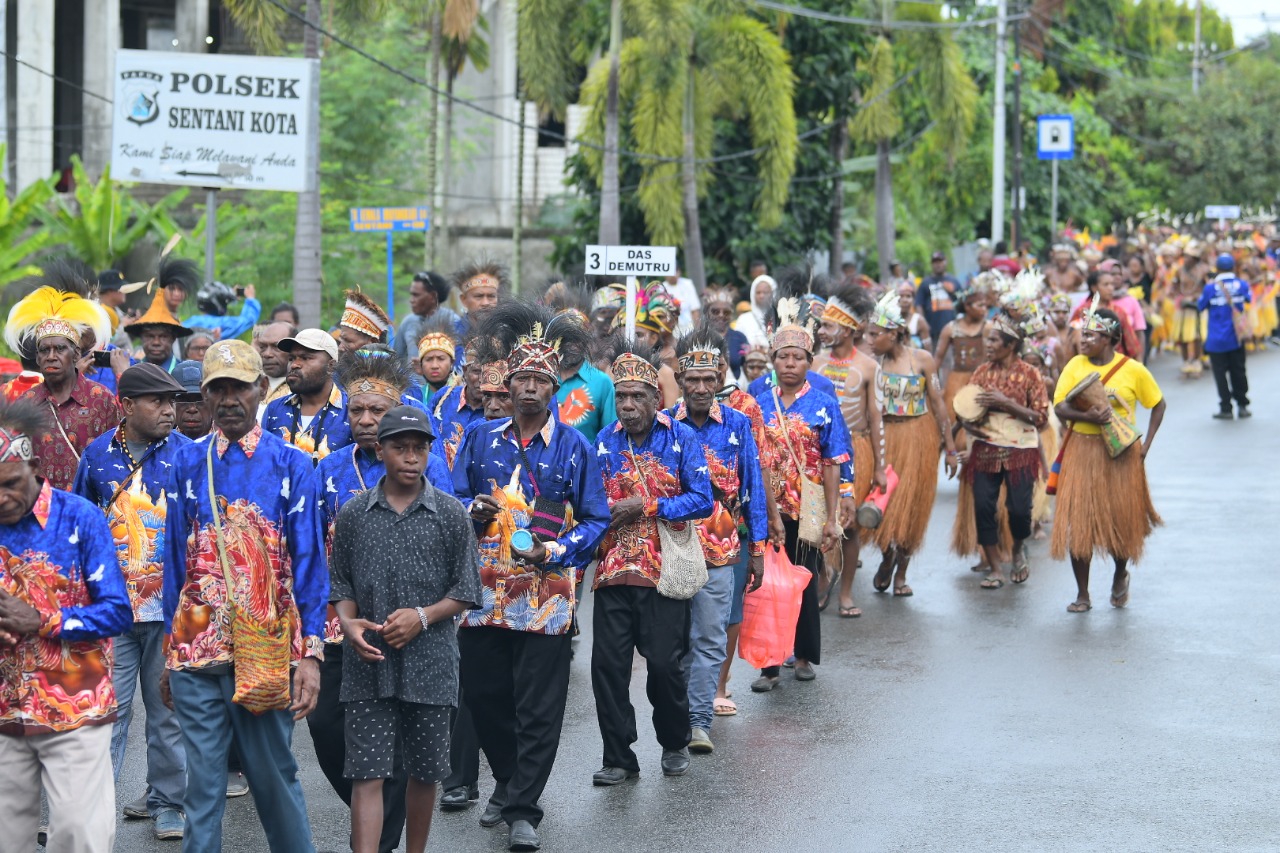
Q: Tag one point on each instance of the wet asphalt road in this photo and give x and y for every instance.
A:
(962, 718)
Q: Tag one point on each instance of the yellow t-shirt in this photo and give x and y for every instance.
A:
(1132, 383)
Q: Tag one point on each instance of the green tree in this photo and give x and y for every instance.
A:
(102, 222)
(19, 240)
(948, 93)
(688, 64)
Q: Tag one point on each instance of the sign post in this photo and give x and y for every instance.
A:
(654, 261)
(215, 121)
(1055, 140)
(1222, 212)
(390, 220)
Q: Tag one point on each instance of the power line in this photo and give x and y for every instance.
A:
(52, 76)
(805, 12)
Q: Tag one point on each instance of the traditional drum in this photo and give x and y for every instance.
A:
(999, 427)
(966, 404)
(1117, 433)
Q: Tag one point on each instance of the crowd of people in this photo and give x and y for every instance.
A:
(387, 532)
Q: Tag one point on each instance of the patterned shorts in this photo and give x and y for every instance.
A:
(375, 728)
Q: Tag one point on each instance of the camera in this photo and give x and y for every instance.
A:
(240, 292)
(101, 358)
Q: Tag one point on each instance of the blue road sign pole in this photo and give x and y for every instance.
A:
(391, 281)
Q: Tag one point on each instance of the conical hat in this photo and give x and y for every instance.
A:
(158, 315)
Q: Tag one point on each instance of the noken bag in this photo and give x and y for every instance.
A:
(769, 614)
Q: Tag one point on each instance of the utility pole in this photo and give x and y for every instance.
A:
(1017, 135)
(1195, 54)
(999, 133)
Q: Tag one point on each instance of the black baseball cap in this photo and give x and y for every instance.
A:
(937, 256)
(147, 378)
(188, 374)
(109, 280)
(404, 419)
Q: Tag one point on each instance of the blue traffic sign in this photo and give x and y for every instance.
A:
(390, 219)
(1055, 137)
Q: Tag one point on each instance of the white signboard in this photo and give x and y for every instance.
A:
(631, 260)
(1222, 211)
(212, 120)
(1055, 137)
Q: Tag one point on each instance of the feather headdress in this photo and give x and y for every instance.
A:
(364, 316)
(52, 310)
(888, 313)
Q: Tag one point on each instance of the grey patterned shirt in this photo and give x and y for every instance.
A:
(383, 561)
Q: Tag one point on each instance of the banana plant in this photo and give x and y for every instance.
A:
(18, 241)
(100, 222)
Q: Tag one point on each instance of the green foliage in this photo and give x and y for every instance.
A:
(18, 241)
(103, 222)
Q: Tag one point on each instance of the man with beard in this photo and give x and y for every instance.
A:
(314, 417)
(275, 364)
(62, 599)
(51, 325)
(375, 382)
(654, 473)
(738, 488)
(853, 374)
(194, 418)
(126, 472)
(522, 479)
(242, 543)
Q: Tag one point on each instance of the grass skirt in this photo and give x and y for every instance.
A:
(964, 531)
(1041, 503)
(911, 447)
(864, 467)
(1103, 504)
(956, 380)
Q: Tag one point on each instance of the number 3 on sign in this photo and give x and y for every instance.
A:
(597, 260)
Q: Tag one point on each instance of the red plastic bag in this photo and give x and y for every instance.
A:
(769, 614)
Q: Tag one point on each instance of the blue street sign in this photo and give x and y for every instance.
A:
(390, 218)
(1055, 137)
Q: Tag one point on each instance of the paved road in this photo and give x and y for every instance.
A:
(968, 719)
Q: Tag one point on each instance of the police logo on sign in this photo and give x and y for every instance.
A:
(141, 103)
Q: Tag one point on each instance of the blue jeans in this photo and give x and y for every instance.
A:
(139, 654)
(707, 640)
(208, 718)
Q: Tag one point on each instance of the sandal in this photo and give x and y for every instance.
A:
(903, 591)
(1120, 599)
(991, 583)
(850, 612)
(1079, 606)
(724, 707)
(1021, 566)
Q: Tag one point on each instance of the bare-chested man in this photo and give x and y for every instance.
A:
(853, 373)
(1064, 276)
(1188, 282)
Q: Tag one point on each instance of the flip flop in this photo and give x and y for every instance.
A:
(1121, 598)
(850, 612)
(888, 579)
(903, 591)
(724, 708)
(1079, 607)
(992, 583)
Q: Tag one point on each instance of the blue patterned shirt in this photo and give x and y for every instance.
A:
(450, 416)
(811, 431)
(59, 559)
(328, 431)
(764, 384)
(737, 484)
(273, 538)
(137, 517)
(538, 599)
(669, 471)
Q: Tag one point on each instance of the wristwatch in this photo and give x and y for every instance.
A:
(422, 617)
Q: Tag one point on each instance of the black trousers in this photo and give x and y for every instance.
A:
(809, 624)
(1228, 372)
(328, 734)
(986, 500)
(464, 748)
(516, 684)
(629, 619)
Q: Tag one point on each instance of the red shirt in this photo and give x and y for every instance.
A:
(90, 411)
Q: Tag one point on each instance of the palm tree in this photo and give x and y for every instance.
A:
(942, 82)
(689, 63)
(462, 43)
(262, 22)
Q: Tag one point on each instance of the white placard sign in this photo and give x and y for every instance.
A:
(214, 120)
(1222, 211)
(631, 260)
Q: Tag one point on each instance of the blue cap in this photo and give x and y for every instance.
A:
(1226, 263)
(188, 374)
